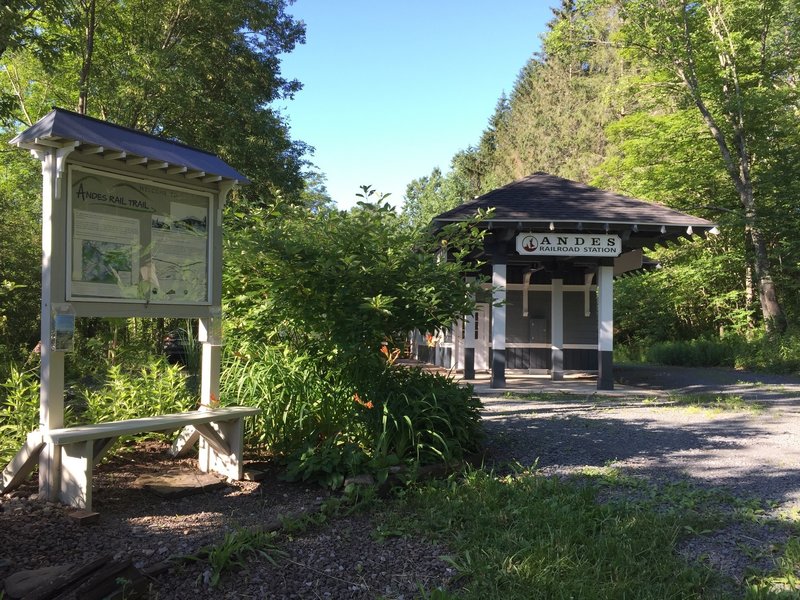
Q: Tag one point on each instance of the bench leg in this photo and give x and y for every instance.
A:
(221, 448)
(100, 448)
(23, 463)
(77, 461)
(50, 472)
(185, 441)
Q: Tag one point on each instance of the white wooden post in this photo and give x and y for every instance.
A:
(209, 332)
(469, 343)
(51, 394)
(211, 362)
(557, 329)
(499, 325)
(605, 327)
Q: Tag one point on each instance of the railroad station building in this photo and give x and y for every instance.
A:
(552, 251)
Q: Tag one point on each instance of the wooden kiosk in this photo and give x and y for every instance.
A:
(131, 227)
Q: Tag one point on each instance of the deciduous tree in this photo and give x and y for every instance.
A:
(734, 63)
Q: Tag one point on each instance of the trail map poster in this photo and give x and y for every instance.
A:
(136, 241)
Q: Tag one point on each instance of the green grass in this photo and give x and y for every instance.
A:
(600, 534)
(529, 536)
(714, 403)
(554, 397)
(783, 582)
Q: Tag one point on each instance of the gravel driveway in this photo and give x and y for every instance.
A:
(751, 454)
(748, 453)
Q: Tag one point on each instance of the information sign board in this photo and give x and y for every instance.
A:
(131, 240)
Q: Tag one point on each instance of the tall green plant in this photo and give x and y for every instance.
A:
(155, 388)
(300, 402)
(19, 410)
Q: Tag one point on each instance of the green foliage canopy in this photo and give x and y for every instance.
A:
(343, 281)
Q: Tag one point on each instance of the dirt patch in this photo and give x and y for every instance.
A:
(339, 559)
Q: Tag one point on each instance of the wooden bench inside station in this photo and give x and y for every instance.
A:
(219, 431)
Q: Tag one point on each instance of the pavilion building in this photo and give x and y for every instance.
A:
(552, 251)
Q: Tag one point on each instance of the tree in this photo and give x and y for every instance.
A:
(563, 98)
(20, 253)
(732, 62)
(184, 70)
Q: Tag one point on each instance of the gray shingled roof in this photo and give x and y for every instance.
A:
(60, 127)
(541, 198)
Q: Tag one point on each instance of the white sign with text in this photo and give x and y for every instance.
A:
(568, 244)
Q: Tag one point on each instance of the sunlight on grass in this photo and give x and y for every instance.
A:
(707, 403)
(601, 534)
(553, 397)
(515, 534)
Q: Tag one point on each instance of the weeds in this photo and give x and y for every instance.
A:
(19, 410)
(156, 388)
(511, 535)
(760, 352)
(234, 550)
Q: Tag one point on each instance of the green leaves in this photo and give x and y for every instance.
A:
(343, 281)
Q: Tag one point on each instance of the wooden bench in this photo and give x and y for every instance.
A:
(219, 431)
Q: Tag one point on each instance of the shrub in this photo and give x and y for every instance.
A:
(699, 353)
(300, 403)
(774, 354)
(154, 388)
(19, 410)
(425, 417)
(327, 423)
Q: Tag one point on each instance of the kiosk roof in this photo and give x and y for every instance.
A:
(62, 127)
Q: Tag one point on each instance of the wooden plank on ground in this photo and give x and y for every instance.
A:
(72, 577)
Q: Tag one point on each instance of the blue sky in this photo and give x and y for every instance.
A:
(393, 89)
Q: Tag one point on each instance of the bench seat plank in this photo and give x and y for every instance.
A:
(96, 431)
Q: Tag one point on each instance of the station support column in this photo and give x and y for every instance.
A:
(557, 330)
(605, 327)
(498, 322)
(469, 344)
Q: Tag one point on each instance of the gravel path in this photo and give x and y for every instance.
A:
(338, 560)
(750, 454)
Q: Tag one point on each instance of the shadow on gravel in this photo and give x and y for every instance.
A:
(733, 451)
(709, 380)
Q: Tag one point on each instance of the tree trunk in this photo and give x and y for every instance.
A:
(749, 293)
(86, 67)
(774, 317)
(736, 156)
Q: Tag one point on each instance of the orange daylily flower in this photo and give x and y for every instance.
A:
(358, 399)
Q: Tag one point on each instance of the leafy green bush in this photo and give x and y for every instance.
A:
(424, 417)
(154, 388)
(694, 353)
(326, 425)
(299, 402)
(19, 410)
(774, 354)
